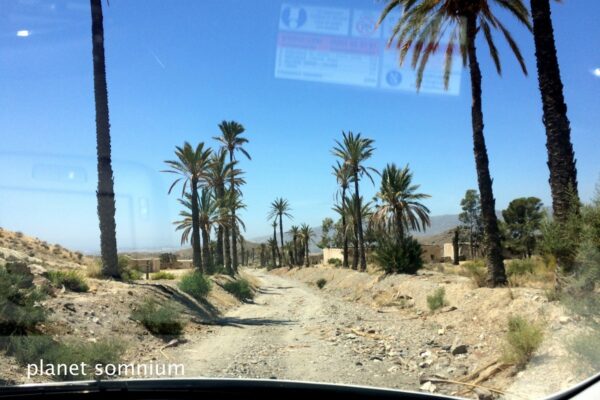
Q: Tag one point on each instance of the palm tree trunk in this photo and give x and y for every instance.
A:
(105, 193)
(275, 243)
(196, 251)
(561, 157)
(219, 246)
(355, 254)
(496, 273)
(227, 251)
(281, 236)
(359, 228)
(345, 248)
(206, 257)
(399, 226)
(242, 253)
(294, 251)
(234, 260)
(306, 257)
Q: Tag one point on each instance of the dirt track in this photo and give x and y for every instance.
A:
(292, 332)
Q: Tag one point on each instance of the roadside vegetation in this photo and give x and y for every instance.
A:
(159, 319)
(31, 349)
(195, 284)
(162, 275)
(437, 300)
(71, 280)
(240, 288)
(522, 340)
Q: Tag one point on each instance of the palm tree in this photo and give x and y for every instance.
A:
(192, 165)
(208, 217)
(232, 141)
(342, 175)
(351, 207)
(279, 208)
(421, 27)
(354, 150)
(400, 204)
(295, 232)
(221, 171)
(230, 203)
(274, 224)
(306, 233)
(272, 243)
(105, 194)
(561, 157)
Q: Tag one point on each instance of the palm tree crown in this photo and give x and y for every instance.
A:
(401, 207)
(231, 138)
(354, 150)
(424, 23)
(192, 164)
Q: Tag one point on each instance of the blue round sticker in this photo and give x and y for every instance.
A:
(393, 78)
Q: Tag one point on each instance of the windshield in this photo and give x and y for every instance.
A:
(398, 194)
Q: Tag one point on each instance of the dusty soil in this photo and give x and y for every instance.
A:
(475, 317)
(366, 329)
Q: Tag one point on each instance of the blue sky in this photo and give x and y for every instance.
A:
(177, 68)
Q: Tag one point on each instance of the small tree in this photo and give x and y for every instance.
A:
(522, 222)
(471, 220)
(326, 227)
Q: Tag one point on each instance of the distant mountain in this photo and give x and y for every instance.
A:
(440, 225)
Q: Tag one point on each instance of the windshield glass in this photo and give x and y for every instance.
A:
(398, 194)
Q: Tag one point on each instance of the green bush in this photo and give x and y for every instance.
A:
(127, 273)
(160, 319)
(20, 310)
(32, 349)
(437, 300)
(321, 283)
(477, 271)
(335, 262)
(162, 275)
(522, 340)
(195, 284)
(72, 280)
(402, 258)
(240, 288)
(520, 267)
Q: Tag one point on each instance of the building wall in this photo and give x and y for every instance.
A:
(329, 253)
(463, 251)
(145, 264)
(432, 253)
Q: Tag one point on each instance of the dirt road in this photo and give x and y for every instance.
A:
(293, 332)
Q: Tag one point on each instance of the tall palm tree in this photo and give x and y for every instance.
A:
(220, 172)
(279, 208)
(208, 217)
(272, 243)
(421, 27)
(230, 203)
(400, 203)
(192, 166)
(351, 207)
(105, 194)
(274, 224)
(232, 141)
(342, 175)
(354, 150)
(561, 157)
(295, 232)
(306, 233)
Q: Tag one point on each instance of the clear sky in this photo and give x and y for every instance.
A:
(177, 68)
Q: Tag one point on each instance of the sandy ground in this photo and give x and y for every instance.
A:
(290, 332)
